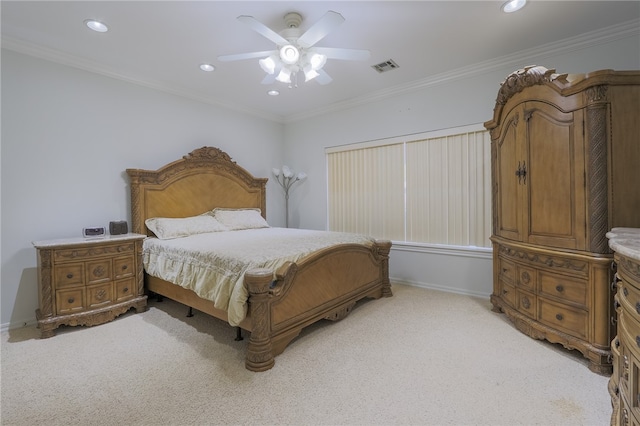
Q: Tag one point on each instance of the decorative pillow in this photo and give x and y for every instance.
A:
(237, 219)
(168, 228)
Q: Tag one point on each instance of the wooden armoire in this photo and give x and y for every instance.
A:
(565, 153)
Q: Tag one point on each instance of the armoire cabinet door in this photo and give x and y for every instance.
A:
(555, 177)
(508, 202)
(540, 176)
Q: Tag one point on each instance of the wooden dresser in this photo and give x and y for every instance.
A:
(88, 281)
(624, 385)
(565, 157)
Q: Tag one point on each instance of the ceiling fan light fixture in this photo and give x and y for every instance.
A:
(289, 54)
(317, 61)
(268, 65)
(284, 76)
(513, 5)
(309, 72)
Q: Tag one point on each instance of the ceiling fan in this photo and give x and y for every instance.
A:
(297, 52)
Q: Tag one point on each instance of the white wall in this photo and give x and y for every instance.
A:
(67, 138)
(458, 102)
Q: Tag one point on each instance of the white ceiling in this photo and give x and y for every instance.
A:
(161, 43)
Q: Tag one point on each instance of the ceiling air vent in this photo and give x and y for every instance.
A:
(385, 66)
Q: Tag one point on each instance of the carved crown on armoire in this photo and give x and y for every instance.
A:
(565, 154)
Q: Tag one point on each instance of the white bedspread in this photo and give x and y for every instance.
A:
(213, 264)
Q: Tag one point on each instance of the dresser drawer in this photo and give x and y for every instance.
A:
(69, 301)
(70, 274)
(563, 287)
(570, 320)
(629, 297)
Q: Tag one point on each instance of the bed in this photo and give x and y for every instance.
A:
(324, 284)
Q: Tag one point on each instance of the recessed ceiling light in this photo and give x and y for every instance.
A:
(273, 93)
(207, 67)
(96, 25)
(513, 5)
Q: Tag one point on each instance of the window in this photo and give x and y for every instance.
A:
(432, 188)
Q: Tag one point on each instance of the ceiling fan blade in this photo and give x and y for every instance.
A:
(250, 55)
(323, 78)
(320, 29)
(263, 30)
(345, 54)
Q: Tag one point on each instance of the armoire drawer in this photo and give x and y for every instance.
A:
(563, 287)
(570, 320)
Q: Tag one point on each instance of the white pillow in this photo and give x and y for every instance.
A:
(168, 228)
(237, 219)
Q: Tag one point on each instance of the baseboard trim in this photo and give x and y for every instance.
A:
(429, 286)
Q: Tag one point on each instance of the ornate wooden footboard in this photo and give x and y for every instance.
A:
(324, 285)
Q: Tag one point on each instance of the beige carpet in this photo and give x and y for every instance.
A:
(422, 357)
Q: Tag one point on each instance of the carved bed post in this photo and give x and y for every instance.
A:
(384, 247)
(260, 355)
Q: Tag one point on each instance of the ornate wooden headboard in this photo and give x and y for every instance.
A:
(202, 180)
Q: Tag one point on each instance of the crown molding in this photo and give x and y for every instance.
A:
(586, 40)
(63, 58)
(593, 38)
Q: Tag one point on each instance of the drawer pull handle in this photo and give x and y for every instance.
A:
(124, 267)
(559, 317)
(638, 307)
(126, 289)
(625, 291)
(616, 390)
(638, 341)
(504, 291)
(616, 343)
(69, 276)
(559, 288)
(71, 300)
(616, 305)
(99, 271)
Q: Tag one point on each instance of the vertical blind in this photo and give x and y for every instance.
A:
(434, 190)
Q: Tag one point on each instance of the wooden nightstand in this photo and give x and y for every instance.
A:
(83, 281)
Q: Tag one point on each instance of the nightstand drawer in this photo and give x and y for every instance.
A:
(70, 300)
(99, 271)
(71, 274)
(124, 267)
(125, 289)
(569, 320)
(98, 295)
